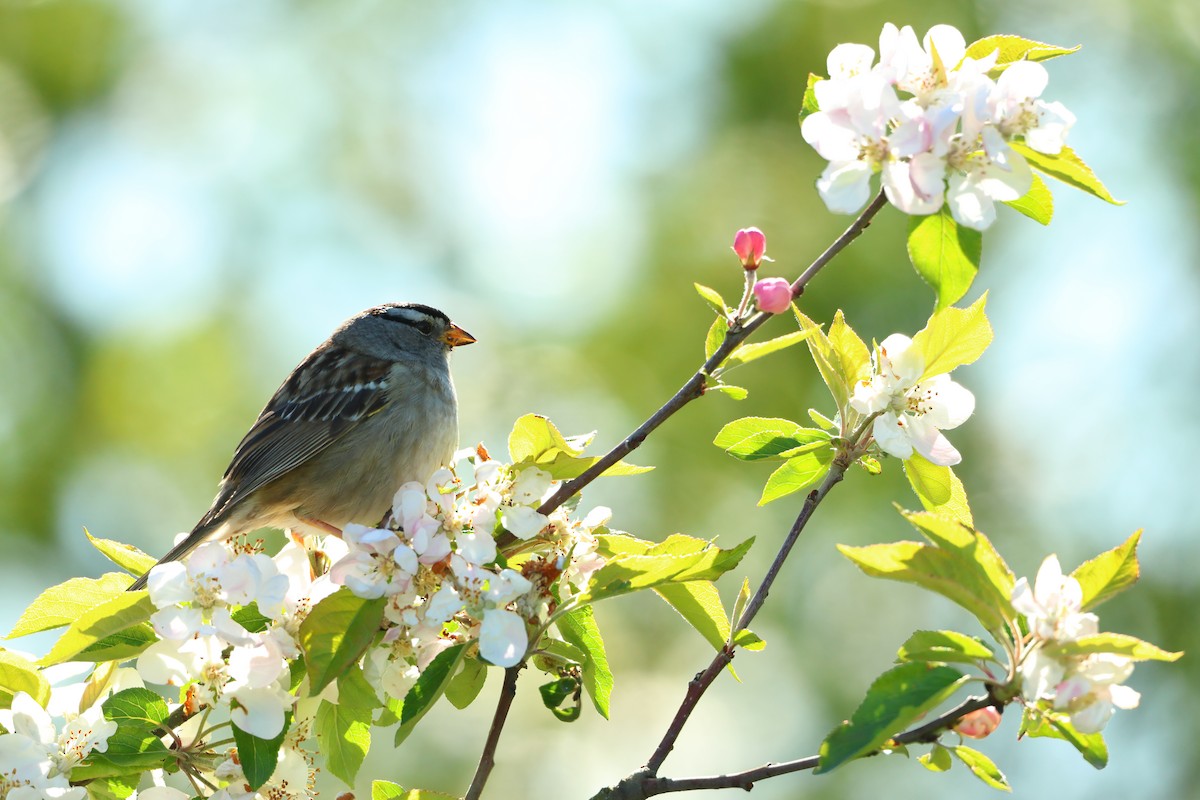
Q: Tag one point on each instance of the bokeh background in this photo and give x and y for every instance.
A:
(193, 195)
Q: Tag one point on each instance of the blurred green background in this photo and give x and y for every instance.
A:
(193, 195)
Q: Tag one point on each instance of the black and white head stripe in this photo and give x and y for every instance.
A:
(413, 314)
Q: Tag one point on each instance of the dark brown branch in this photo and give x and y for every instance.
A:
(487, 759)
(643, 784)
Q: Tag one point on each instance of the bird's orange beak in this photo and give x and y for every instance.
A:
(456, 336)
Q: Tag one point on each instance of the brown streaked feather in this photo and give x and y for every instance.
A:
(306, 414)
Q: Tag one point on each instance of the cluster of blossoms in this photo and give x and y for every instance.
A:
(947, 140)
(438, 566)
(912, 412)
(37, 755)
(1087, 687)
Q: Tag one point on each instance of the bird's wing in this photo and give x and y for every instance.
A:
(307, 413)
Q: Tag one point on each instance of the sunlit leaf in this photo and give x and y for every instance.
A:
(336, 633)
(757, 438)
(797, 473)
(945, 254)
(981, 767)
(1109, 573)
(63, 604)
(1069, 168)
(580, 629)
(953, 337)
(938, 488)
(1010, 49)
(1037, 203)
(944, 646)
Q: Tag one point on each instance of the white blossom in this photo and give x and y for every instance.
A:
(1052, 605)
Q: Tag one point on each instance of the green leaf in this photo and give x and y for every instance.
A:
(383, 790)
(677, 560)
(870, 464)
(713, 298)
(797, 473)
(716, 335)
(944, 646)
(757, 438)
(1038, 723)
(829, 362)
(344, 730)
(1010, 49)
(700, 605)
(96, 624)
(536, 441)
(896, 699)
(852, 353)
(133, 747)
(63, 604)
(250, 618)
(739, 605)
(120, 646)
(259, 756)
(556, 693)
(579, 628)
(736, 392)
(467, 684)
(825, 422)
(945, 255)
(428, 688)
(1037, 203)
(1109, 573)
(961, 565)
(1117, 644)
(19, 674)
(938, 489)
(125, 556)
(954, 337)
(336, 633)
(809, 104)
(982, 767)
(1068, 168)
(114, 788)
(746, 353)
(937, 759)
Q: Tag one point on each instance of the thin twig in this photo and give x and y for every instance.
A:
(699, 685)
(487, 759)
(694, 387)
(642, 784)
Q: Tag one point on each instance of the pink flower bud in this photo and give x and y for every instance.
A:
(751, 247)
(774, 295)
(978, 724)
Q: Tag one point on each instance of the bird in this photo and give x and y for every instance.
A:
(371, 408)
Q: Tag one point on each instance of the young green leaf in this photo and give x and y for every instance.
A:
(671, 562)
(344, 730)
(896, 699)
(828, 362)
(973, 549)
(120, 646)
(336, 633)
(428, 688)
(953, 337)
(745, 353)
(700, 605)
(384, 790)
(258, 756)
(1010, 49)
(556, 693)
(936, 760)
(981, 767)
(1069, 168)
(535, 440)
(579, 628)
(944, 254)
(63, 604)
(938, 489)
(854, 358)
(125, 556)
(713, 298)
(797, 473)
(944, 646)
(1037, 723)
(736, 392)
(94, 625)
(134, 747)
(716, 335)
(18, 674)
(1037, 203)
(809, 104)
(825, 422)
(1119, 644)
(467, 684)
(757, 438)
(739, 605)
(1109, 573)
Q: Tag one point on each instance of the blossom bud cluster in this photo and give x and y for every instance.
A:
(933, 122)
(1087, 687)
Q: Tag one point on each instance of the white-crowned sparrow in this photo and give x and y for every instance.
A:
(370, 408)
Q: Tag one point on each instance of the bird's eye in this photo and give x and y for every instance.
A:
(424, 326)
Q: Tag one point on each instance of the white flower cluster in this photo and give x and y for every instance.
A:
(946, 141)
(437, 566)
(912, 415)
(1088, 687)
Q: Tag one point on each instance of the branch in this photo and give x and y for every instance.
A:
(694, 387)
(487, 759)
(643, 784)
(699, 684)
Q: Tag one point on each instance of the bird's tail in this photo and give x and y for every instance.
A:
(199, 535)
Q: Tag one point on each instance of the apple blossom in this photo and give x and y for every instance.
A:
(911, 415)
(750, 245)
(773, 295)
